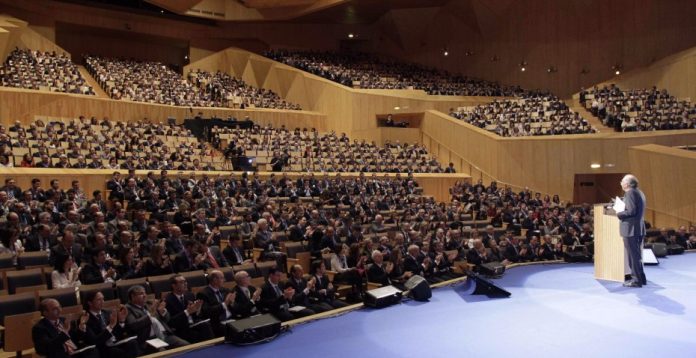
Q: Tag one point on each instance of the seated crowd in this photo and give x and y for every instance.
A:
(144, 82)
(155, 82)
(531, 115)
(362, 70)
(39, 70)
(309, 151)
(639, 110)
(228, 91)
(104, 144)
(363, 229)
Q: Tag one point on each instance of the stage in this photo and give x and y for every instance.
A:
(555, 310)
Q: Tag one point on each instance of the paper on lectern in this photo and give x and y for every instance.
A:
(619, 205)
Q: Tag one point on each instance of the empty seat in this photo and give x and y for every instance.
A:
(23, 278)
(16, 304)
(6, 261)
(66, 296)
(159, 284)
(18, 331)
(32, 259)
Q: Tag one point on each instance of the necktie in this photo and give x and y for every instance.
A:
(212, 260)
(277, 290)
(239, 256)
(219, 296)
(181, 299)
(101, 320)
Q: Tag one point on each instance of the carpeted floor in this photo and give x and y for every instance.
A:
(554, 311)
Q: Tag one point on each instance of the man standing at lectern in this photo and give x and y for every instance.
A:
(632, 229)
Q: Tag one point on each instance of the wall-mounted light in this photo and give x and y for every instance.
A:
(495, 58)
(595, 165)
(617, 68)
(552, 69)
(350, 36)
(584, 71)
(445, 52)
(396, 108)
(468, 53)
(523, 66)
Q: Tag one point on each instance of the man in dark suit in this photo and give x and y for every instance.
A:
(234, 253)
(185, 312)
(324, 291)
(247, 296)
(278, 300)
(218, 302)
(67, 247)
(99, 270)
(189, 259)
(41, 239)
(632, 229)
(378, 271)
(213, 255)
(147, 325)
(303, 289)
(53, 336)
(108, 327)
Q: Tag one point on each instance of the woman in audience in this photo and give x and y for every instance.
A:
(158, 263)
(10, 243)
(129, 267)
(65, 273)
(5, 161)
(27, 161)
(345, 273)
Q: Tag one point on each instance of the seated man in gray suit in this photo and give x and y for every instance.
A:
(632, 229)
(148, 325)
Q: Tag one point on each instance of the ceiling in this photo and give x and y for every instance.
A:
(305, 11)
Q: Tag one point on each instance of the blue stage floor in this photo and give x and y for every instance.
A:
(554, 311)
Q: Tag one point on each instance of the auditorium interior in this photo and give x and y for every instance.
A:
(382, 178)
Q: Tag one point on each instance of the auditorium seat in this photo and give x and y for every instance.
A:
(107, 289)
(24, 278)
(16, 304)
(66, 296)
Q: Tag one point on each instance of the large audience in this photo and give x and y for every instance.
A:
(310, 151)
(228, 91)
(639, 110)
(39, 70)
(361, 229)
(104, 144)
(155, 82)
(364, 70)
(530, 115)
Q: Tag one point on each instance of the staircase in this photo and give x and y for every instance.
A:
(98, 91)
(575, 106)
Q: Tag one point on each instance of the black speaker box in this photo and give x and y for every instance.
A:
(576, 256)
(675, 249)
(418, 288)
(382, 297)
(494, 268)
(659, 249)
(485, 287)
(257, 329)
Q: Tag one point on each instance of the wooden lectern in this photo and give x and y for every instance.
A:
(610, 257)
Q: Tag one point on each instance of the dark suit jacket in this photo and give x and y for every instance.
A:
(177, 317)
(270, 300)
(99, 334)
(75, 252)
(182, 264)
(33, 242)
(212, 307)
(231, 257)
(377, 274)
(411, 264)
(91, 274)
(244, 306)
(299, 298)
(632, 223)
(48, 340)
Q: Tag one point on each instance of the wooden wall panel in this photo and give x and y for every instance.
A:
(25, 105)
(666, 176)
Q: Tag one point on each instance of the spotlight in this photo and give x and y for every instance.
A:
(617, 68)
(468, 53)
(445, 52)
(595, 165)
(350, 36)
(552, 69)
(397, 108)
(523, 66)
